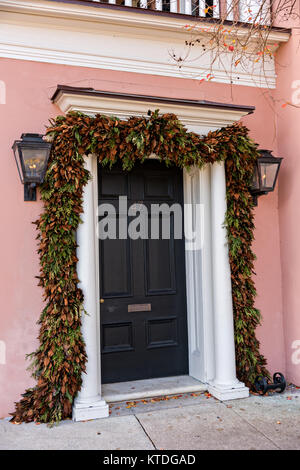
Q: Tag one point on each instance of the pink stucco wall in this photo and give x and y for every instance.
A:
(288, 126)
(27, 109)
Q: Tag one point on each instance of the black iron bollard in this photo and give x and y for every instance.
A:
(262, 385)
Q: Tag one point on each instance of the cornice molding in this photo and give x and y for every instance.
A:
(111, 39)
(198, 117)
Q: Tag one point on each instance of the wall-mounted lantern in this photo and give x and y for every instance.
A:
(31, 154)
(265, 174)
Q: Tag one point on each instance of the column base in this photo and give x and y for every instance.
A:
(223, 393)
(94, 409)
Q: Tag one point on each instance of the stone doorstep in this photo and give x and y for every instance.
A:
(149, 388)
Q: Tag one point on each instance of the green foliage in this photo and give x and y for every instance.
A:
(60, 359)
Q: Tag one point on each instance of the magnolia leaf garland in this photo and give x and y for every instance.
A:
(60, 359)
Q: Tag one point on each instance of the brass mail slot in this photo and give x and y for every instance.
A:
(139, 308)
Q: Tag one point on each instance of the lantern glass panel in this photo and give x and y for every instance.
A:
(34, 160)
(31, 158)
(255, 179)
(268, 172)
(18, 162)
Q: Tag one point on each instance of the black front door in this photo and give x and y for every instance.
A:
(142, 281)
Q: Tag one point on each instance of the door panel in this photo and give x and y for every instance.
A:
(115, 258)
(117, 337)
(160, 267)
(142, 282)
(162, 332)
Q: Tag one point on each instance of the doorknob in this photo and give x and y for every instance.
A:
(101, 301)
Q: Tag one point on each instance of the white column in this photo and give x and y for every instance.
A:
(89, 404)
(225, 385)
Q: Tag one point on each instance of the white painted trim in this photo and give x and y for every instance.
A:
(85, 36)
(210, 315)
(206, 260)
(199, 119)
(196, 184)
(148, 67)
(126, 17)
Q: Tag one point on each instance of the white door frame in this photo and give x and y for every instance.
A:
(208, 279)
